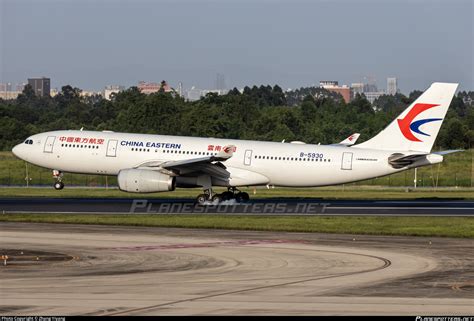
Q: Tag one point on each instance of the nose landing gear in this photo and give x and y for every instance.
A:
(58, 176)
(58, 185)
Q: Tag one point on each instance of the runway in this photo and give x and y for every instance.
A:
(272, 206)
(103, 270)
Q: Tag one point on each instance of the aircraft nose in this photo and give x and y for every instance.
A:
(16, 151)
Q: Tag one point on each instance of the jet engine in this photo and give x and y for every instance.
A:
(145, 181)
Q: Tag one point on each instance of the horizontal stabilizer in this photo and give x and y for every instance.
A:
(399, 160)
(446, 152)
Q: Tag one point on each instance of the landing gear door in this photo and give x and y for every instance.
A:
(248, 157)
(346, 161)
(112, 148)
(48, 145)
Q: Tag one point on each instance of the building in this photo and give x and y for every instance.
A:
(112, 89)
(193, 94)
(20, 87)
(153, 87)
(328, 83)
(392, 87)
(41, 86)
(373, 95)
(6, 86)
(333, 86)
(357, 88)
(219, 92)
(6, 95)
(220, 82)
(88, 93)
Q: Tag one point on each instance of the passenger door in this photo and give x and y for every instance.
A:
(48, 145)
(112, 148)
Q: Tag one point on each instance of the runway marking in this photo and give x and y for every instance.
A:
(386, 264)
(203, 245)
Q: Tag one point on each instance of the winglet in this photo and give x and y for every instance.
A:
(349, 141)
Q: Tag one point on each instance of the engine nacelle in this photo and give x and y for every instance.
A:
(145, 181)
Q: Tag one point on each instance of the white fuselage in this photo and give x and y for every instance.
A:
(253, 162)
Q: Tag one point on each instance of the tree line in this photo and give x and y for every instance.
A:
(312, 115)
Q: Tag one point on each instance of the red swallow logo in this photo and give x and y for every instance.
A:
(407, 126)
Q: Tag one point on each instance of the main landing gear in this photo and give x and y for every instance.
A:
(232, 193)
(58, 176)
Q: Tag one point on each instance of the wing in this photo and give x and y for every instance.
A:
(211, 165)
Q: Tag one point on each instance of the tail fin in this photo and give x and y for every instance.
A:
(416, 128)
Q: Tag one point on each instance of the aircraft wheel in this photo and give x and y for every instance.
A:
(242, 197)
(217, 198)
(201, 199)
(58, 185)
(227, 196)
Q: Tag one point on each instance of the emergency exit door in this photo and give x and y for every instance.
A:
(248, 157)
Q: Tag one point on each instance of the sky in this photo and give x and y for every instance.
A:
(91, 44)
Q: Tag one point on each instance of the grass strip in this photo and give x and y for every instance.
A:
(459, 227)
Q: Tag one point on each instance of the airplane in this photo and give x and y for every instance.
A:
(159, 163)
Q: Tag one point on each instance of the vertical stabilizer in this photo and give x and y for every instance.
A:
(416, 128)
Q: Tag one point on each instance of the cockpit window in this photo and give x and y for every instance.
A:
(29, 141)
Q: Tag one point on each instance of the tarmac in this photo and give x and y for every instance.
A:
(271, 206)
(56, 269)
